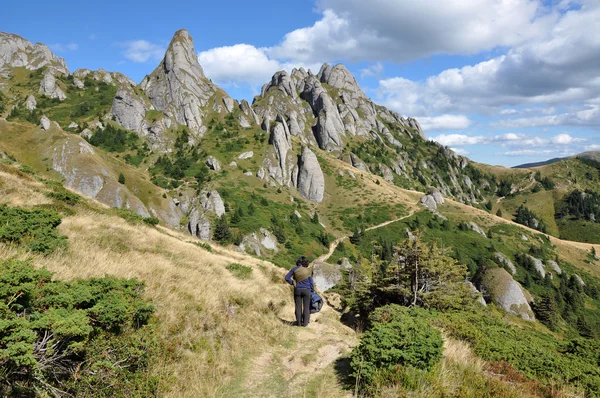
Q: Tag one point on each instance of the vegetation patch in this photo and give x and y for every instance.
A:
(240, 271)
(35, 229)
(77, 338)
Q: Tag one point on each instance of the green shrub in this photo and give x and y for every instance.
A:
(34, 228)
(204, 245)
(121, 178)
(240, 271)
(114, 139)
(135, 218)
(399, 337)
(76, 338)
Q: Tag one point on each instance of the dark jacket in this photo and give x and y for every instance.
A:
(305, 284)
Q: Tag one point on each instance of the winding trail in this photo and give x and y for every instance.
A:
(324, 257)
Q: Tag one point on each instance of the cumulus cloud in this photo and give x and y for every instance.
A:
(528, 86)
(404, 29)
(512, 140)
(142, 51)
(244, 64)
(444, 122)
(374, 70)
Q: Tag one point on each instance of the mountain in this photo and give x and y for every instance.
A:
(594, 155)
(311, 167)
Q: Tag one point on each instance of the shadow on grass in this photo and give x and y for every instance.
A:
(286, 322)
(343, 372)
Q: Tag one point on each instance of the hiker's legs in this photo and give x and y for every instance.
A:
(306, 312)
(298, 304)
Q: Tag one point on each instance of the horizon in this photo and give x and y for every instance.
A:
(496, 97)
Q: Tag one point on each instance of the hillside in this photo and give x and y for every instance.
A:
(207, 200)
(594, 155)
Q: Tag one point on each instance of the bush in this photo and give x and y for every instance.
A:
(76, 338)
(34, 228)
(399, 337)
(240, 271)
(121, 178)
(134, 218)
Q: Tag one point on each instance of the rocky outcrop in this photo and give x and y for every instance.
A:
(579, 280)
(213, 163)
(128, 109)
(199, 225)
(554, 265)
(282, 144)
(432, 199)
(476, 294)
(501, 258)
(45, 122)
(178, 86)
(30, 103)
(16, 52)
(311, 181)
(326, 276)
(259, 244)
(538, 265)
(49, 87)
(245, 155)
(507, 293)
(477, 229)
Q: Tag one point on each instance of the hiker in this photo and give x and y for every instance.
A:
(301, 278)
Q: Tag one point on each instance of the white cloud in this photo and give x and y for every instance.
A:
(404, 29)
(565, 139)
(461, 151)
(374, 70)
(142, 51)
(243, 64)
(592, 147)
(531, 152)
(61, 47)
(444, 122)
(459, 139)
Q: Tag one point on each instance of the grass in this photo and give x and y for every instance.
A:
(240, 271)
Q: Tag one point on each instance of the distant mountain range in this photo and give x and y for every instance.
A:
(595, 155)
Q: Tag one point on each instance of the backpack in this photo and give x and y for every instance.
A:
(316, 303)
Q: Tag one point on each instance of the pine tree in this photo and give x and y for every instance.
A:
(315, 218)
(251, 209)
(222, 232)
(546, 310)
(121, 179)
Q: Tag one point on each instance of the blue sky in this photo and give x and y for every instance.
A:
(500, 81)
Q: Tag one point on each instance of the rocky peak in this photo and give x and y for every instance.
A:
(15, 51)
(178, 86)
(339, 77)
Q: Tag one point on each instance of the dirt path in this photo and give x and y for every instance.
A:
(324, 257)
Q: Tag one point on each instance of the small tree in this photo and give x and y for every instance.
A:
(121, 178)
(315, 218)
(222, 232)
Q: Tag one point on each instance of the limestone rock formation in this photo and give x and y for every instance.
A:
(538, 264)
(507, 293)
(213, 163)
(178, 86)
(259, 243)
(311, 181)
(554, 265)
(432, 199)
(30, 103)
(245, 155)
(45, 122)
(477, 229)
(49, 87)
(15, 51)
(326, 276)
(128, 109)
(501, 258)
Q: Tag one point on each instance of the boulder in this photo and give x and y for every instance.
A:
(477, 229)
(326, 276)
(45, 123)
(246, 155)
(311, 181)
(213, 163)
(554, 265)
(538, 264)
(507, 293)
(211, 202)
(579, 280)
(233, 164)
(49, 87)
(30, 103)
(229, 104)
(128, 109)
(476, 294)
(73, 125)
(78, 83)
(506, 262)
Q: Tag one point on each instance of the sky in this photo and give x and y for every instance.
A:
(500, 81)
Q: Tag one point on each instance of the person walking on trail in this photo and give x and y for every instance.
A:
(301, 278)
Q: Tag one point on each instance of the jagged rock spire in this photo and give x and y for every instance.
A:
(178, 85)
